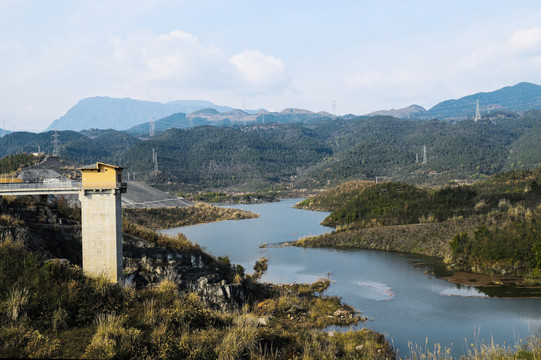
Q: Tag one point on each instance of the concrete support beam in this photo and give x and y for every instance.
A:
(101, 221)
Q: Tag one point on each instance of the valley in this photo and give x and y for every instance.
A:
(464, 193)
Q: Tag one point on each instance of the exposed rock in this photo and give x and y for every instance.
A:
(341, 313)
(57, 239)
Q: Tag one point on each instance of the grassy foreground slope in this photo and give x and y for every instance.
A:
(491, 227)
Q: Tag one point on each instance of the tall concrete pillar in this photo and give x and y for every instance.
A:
(101, 218)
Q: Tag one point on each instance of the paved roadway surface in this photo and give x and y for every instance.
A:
(140, 195)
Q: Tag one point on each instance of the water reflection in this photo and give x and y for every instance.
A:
(464, 291)
(375, 291)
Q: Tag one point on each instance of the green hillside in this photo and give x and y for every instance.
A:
(98, 145)
(326, 153)
(490, 227)
(218, 157)
(19, 142)
(520, 97)
(306, 156)
(385, 146)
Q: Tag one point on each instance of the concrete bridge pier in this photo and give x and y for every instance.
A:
(101, 222)
(101, 214)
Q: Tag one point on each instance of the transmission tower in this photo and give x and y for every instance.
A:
(334, 109)
(477, 113)
(424, 154)
(56, 144)
(151, 132)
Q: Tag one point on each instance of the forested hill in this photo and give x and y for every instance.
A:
(85, 147)
(306, 156)
(209, 156)
(520, 97)
(489, 227)
(329, 152)
(517, 98)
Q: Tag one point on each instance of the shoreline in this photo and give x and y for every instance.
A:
(498, 286)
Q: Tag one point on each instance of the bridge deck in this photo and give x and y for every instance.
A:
(19, 189)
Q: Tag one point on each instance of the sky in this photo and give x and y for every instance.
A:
(361, 55)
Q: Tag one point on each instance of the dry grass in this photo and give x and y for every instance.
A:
(16, 303)
(112, 339)
(180, 242)
(165, 218)
(530, 349)
(9, 220)
(335, 197)
(427, 239)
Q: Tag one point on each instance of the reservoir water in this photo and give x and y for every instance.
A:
(404, 301)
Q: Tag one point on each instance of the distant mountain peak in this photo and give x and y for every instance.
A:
(123, 113)
(324, 113)
(519, 97)
(291, 111)
(407, 112)
(205, 111)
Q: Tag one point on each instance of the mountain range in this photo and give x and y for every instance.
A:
(309, 155)
(517, 98)
(136, 115)
(120, 114)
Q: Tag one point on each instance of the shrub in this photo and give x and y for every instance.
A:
(16, 303)
(113, 340)
(20, 340)
(240, 341)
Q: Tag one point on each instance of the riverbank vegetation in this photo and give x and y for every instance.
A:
(166, 218)
(490, 227)
(529, 349)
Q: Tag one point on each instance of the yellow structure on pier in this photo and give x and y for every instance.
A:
(102, 176)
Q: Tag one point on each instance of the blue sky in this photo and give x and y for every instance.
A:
(365, 55)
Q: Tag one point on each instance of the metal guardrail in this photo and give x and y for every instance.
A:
(71, 185)
(57, 187)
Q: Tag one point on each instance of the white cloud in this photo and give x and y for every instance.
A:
(452, 69)
(147, 63)
(260, 70)
(174, 59)
(526, 40)
(522, 49)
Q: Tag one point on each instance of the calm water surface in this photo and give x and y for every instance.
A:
(405, 303)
